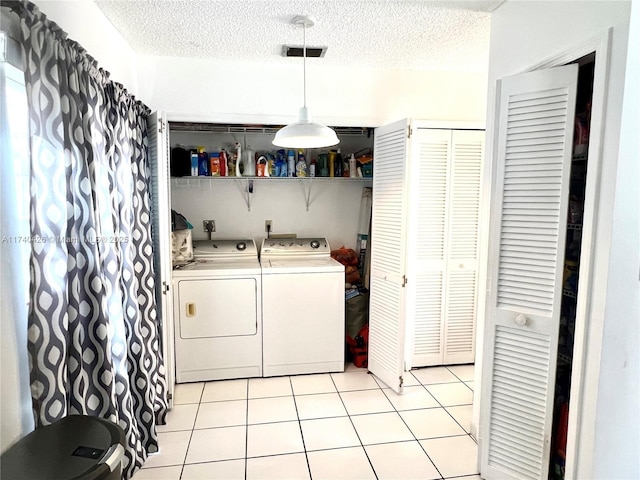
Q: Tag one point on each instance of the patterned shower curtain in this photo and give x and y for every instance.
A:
(94, 337)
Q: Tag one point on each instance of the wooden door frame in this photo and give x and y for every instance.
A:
(588, 332)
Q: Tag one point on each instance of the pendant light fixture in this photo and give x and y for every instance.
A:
(304, 133)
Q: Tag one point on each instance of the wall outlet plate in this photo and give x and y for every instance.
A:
(209, 225)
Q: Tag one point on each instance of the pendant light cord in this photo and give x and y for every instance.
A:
(304, 62)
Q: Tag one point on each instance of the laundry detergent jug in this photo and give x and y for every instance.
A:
(248, 163)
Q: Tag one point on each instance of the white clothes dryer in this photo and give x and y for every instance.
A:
(218, 312)
(302, 307)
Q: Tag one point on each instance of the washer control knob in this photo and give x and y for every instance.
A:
(315, 244)
(241, 246)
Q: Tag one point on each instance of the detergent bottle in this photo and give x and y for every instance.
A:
(238, 162)
(249, 163)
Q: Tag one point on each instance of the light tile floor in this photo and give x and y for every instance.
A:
(328, 426)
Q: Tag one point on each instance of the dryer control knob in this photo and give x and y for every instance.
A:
(241, 246)
(315, 244)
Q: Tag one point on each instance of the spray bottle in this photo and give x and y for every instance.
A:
(352, 167)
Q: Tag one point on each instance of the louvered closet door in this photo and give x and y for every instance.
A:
(388, 246)
(158, 138)
(529, 213)
(428, 265)
(461, 282)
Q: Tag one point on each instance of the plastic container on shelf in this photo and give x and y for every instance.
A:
(301, 165)
(203, 162)
(249, 163)
(214, 164)
(352, 166)
(224, 163)
(332, 163)
(291, 163)
(194, 163)
(323, 163)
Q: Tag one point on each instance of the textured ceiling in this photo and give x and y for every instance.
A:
(423, 35)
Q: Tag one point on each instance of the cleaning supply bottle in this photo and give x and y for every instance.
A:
(332, 163)
(262, 166)
(291, 163)
(214, 164)
(231, 164)
(338, 167)
(238, 160)
(224, 166)
(203, 162)
(312, 167)
(194, 163)
(249, 163)
(345, 167)
(323, 164)
(271, 164)
(301, 165)
(352, 166)
(281, 163)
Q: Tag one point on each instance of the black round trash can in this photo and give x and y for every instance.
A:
(76, 447)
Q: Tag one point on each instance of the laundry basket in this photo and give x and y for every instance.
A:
(75, 447)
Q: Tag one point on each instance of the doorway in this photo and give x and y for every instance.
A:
(596, 73)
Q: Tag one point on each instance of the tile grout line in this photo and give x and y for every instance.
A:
(462, 405)
(304, 446)
(246, 434)
(463, 381)
(411, 431)
(193, 428)
(468, 434)
(353, 424)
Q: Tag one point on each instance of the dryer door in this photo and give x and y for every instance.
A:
(222, 307)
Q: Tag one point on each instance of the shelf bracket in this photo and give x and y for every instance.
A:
(306, 189)
(245, 185)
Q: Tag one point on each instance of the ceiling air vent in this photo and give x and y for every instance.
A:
(296, 51)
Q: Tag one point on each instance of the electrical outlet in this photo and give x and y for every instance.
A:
(267, 226)
(209, 225)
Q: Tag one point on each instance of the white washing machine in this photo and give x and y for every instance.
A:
(302, 307)
(218, 312)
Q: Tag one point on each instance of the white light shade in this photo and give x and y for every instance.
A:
(305, 134)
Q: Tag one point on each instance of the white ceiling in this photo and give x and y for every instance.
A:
(402, 34)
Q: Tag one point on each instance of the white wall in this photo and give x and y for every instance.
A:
(617, 429)
(333, 211)
(85, 23)
(196, 89)
(526, 33)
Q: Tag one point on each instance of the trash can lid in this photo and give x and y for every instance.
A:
(77, 446)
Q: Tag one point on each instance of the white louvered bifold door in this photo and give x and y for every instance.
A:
(158, 139)
(461, 280)
(432, 149)
(388, 246)
(526, 252)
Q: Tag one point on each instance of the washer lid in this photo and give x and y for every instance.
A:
(218, 249)
(301, 265)
(219, 267)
